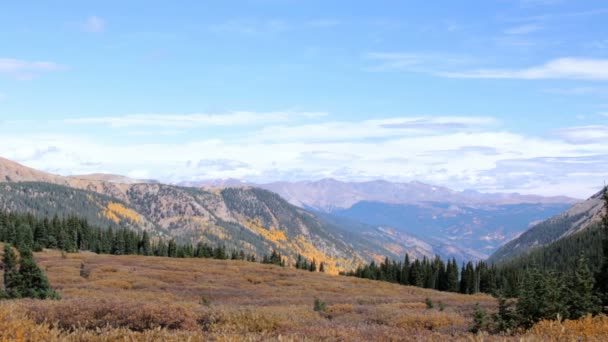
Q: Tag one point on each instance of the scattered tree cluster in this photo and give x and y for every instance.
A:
(303, 264)
(431, 273)
(22, 276)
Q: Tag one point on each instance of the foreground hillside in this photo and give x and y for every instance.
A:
(136, 298)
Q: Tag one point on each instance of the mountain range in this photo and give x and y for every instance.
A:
(342, 223)
(468, 225)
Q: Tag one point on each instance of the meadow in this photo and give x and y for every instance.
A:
(133, 298)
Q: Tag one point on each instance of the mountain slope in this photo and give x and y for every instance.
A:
(468, 225)
(251, 219)
(576, 219)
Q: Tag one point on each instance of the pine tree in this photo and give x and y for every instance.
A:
(145, 244)
(313, 266)
(506, 319)
(322, 267)
(581, 296)
(12, 280)
(541, 296)
(172, 249)
(452, 277)
(33, 282)
(480, 320)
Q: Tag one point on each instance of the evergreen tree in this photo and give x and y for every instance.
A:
(506, 318)
(322, 267)
(313, 266)
(541, 296)
(33, 282)
(582, 299)
(452, 276)
(12, 280)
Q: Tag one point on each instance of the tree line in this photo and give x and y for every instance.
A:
(28, 233)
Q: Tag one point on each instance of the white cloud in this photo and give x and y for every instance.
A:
(562, 68)
(196, 120)
(378, 128)
(94, 24)
(585, 134)
(24, 70)
(460, 152)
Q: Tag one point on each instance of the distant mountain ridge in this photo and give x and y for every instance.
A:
(191, 214)
(330, 194)
(468, 225)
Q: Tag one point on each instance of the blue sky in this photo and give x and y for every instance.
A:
(489, 95)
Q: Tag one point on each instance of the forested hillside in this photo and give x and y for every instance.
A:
(578, 218)
(249, 219)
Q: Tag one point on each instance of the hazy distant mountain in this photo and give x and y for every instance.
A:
(455, 230)
(331, 194)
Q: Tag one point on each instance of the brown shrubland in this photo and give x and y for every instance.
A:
(136, 298)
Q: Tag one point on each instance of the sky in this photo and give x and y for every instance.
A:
(497, 96)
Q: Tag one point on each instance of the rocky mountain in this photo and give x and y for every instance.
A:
(468, 225)
(248, 218)
(577, 219)
(330, 194)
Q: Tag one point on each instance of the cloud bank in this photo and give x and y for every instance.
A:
(457, 151)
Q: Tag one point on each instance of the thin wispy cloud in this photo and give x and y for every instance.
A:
(26, 70)
(585, 134)
(417, 62)
(385, 128)
(195, 120)
(562, 68)
(94, 24)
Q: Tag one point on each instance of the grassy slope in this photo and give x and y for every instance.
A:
(139, 298)
(233, 300)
